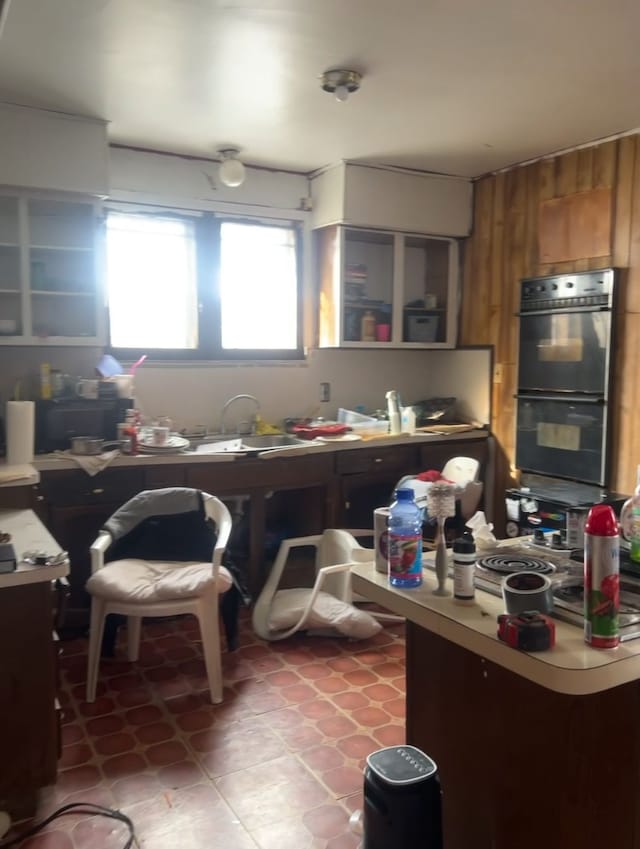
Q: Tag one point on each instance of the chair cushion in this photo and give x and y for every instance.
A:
(140, 581)
(327, 612)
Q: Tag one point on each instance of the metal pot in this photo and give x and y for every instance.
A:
(86, 445)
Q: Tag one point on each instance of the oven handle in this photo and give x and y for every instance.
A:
(576, 399)
(570, 310)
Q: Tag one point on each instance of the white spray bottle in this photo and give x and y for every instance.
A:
(393, 408)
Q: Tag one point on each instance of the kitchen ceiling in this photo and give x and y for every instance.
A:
(453, 86)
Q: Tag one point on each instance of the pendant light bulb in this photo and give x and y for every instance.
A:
(231, 171)
(341, 93)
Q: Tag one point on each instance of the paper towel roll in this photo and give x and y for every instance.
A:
(381, 538)
(19, 429)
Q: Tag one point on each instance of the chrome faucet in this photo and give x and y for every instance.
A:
(243, 427)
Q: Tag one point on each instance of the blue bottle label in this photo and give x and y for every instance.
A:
(405, 555)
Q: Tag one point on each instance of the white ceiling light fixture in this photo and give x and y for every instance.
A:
(341, 82)
(232, 171)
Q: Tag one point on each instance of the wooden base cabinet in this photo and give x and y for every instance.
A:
(29, 731)
(521, 765)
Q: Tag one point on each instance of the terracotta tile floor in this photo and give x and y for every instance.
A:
(278, 765)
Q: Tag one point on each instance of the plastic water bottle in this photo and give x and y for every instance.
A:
(405, 541)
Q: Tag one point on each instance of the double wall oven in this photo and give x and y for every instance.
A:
(564, 375)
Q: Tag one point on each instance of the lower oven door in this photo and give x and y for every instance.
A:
(563, 437)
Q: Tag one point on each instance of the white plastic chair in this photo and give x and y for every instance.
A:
(146, 588)
(463, 471)
(336, 551)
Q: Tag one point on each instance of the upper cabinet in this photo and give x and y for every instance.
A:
(49, 292)
(391, 199)
(385, 289)
(387, 255)
(53, 151)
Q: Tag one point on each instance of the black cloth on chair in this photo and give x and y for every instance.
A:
(187, 534)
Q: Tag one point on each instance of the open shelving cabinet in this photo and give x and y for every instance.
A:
(49, 281)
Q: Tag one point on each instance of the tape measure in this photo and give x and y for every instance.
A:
(528, 631)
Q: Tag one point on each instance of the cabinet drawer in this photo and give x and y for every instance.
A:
(74, 488)
(402, 459)
(246, 475)
(159, 477)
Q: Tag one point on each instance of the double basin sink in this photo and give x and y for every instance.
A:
(236, 444)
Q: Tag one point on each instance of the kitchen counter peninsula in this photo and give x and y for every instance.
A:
(30, 736)
(533, 748)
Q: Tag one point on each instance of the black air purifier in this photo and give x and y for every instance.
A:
(402, 800)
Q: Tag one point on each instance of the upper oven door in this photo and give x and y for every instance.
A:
(565, 351)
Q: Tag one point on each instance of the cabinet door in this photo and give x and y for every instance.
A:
(367, 480)
(367, 286)
(11, 306)
(49, 289)
(428, 290)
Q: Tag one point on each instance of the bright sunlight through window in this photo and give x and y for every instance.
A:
(258, 287)
(151, 282)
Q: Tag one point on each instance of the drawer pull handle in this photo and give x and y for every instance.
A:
(39, 497)
(378, 460)
(97, 491)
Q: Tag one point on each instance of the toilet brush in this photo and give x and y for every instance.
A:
(441, 503)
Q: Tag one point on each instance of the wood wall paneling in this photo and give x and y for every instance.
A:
(604, 182)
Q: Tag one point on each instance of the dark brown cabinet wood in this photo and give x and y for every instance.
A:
(29, 738)
(367, 477)
(522, 765)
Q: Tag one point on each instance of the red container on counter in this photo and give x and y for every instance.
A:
(601, 578)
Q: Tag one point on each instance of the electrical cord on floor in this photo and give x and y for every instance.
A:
(78, 808)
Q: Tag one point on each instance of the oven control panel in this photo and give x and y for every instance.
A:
(586, 290)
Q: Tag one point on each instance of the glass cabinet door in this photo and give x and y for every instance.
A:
(368, 272)
(11, 312)
(425, 289)
(62, 274)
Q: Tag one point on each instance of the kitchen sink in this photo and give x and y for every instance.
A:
(221, 443)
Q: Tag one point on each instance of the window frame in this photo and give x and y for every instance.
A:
(207, 227)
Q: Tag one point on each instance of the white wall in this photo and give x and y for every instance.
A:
(194, 395)
(193, 183)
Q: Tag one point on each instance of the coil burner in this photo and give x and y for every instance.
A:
(507, 564)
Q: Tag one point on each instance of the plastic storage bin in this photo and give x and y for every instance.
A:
(421, 328)
(363, 425)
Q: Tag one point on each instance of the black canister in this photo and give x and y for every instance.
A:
(402, 800)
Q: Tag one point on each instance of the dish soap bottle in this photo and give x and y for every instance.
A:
(630, 521)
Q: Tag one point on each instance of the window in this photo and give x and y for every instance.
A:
(202, 287)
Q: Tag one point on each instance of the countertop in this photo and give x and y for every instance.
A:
(571, 667)
(23, 475)
(51, 462)
(28, 533)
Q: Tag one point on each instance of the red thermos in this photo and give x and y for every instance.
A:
(601, 578)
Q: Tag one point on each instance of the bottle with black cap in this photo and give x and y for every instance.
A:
(464, 561)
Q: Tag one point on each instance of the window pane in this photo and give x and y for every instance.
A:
(258, 287)
(151, 282)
